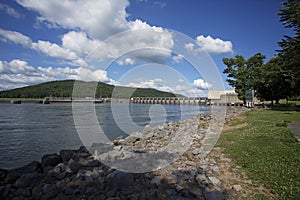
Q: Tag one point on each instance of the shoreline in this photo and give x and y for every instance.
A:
(77, 174)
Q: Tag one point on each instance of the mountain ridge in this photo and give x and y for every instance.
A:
(64, 88)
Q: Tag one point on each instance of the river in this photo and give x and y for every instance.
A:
(28, 131)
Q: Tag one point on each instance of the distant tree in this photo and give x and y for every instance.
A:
(290, 45)
(241, 72)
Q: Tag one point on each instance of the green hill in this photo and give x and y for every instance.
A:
(65, 89)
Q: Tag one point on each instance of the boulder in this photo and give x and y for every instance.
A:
(29, 179)
(51, 160)
(119, 180)
(213, 195)
(13, 174)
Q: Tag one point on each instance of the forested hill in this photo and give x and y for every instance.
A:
(65, 89)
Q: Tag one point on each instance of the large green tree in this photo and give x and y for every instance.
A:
(290, 45)
(272, 82)
(242, 72)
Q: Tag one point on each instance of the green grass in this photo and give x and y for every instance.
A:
(267, 151)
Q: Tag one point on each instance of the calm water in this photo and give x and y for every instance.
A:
(27, 131)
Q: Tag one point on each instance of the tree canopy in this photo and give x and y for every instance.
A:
(278, 78)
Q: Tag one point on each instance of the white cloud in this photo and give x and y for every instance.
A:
(126, 61)
(10, 11)
(180, 80)
(178, 58)
(100, 18)
(201, 84)
(15, 37)
(17, 73)
(54, 50)
(97, 20)
(78, 42)
(189, 46)
(210, 45)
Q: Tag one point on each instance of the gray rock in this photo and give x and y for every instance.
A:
(237, 188)
(51, 160)
(215, 169)
(89, 191)
(74, 166)
(36, 192)
(214, 180)
(3, 173)
(196, 151)
(118, 179)
(49, 191)
(28, 179)
(214, 195)
(68, 191)
(66, 155)
(23, 192)
(14, 174)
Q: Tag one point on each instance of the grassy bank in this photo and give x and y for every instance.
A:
(267, 151)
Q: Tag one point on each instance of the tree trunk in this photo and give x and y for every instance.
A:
(277, 101)
(272, 102)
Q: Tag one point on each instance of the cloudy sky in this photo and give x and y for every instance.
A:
(171, 45)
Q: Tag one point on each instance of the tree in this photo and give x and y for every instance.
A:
(272, 82)
(242, 73)
(290, 46)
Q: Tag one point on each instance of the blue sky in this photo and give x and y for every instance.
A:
(171, 45)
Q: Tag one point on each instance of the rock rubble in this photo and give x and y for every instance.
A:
(104, 171)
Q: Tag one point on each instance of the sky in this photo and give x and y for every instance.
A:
(170, 45)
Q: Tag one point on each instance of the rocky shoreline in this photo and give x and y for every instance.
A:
(169, 162)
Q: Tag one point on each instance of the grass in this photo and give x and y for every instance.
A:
(267, 151)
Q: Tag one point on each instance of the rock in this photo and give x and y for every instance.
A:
(74, 166)
(23, 192)
(89, 191)
(51, 160)
(171, 180)
(190, 155)
(3, 173)
(196, 151)
(214, 180)
(155, 181)
(49, 191)
(118, 179)
(14, 174)
(66, 155)
(237, 188)
(200, 178)
(147, 129)
(190, 163)
(214, 195)
(215, 169)
(30, 179)
(36, 192)
(68, 191)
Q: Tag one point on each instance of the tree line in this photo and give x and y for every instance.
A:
(64, 88)
(278, 78)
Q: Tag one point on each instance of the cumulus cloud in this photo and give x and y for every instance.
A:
(100, 18)
(18, 73)
(79, 42)
(54, 50)
(210, 45)
(178, 58)
(15, 37)
(201, 84)
(105, 18)
(10, 11)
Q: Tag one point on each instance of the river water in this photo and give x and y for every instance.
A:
(28, 131)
